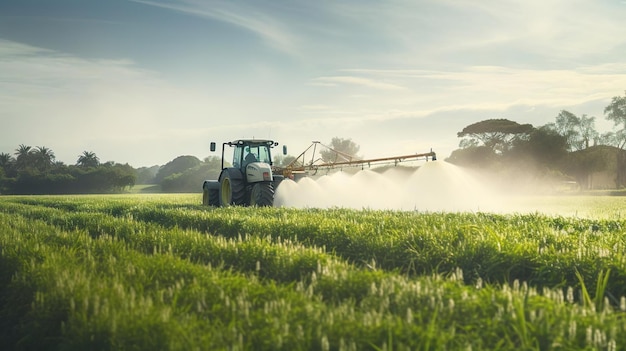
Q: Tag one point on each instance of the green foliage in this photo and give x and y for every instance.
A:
(581, 164)
(282, 161)
(521, 152)
(578, 132)
(178, 165)
(190, 181)
(88, 159)
(616, 111)
(73, 180)
(475, 156)
(146, 175)
(496, 134)
(164, 272)
(340, 150)
(544, 147)
(34, 171)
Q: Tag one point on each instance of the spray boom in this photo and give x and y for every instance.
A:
(341, 159)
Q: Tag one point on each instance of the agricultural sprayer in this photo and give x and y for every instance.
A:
(252, 178)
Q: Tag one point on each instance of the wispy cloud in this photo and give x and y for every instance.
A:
(356, 81)
(63, 101)
(558, 29)
(251, 18)
(476, 88)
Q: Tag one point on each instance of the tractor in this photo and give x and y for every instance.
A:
(250, 180)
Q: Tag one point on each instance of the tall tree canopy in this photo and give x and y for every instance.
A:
(23, 156)
(346, 150)
(178, 165)
(544, 146)
(88, 159)
(616, 112)
(578, 131)
(35, 171)
(6, 161)
(496, 134)
(42, 158)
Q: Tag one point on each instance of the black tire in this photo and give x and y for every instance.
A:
(262, 194)
(232, 191)
(205, 197)
(214, 197)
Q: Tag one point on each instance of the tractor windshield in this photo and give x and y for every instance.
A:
(251, 153)
(263, 154)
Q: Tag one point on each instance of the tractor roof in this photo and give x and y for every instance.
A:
(252, 142)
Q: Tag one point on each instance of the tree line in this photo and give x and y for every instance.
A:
(35, 171)
(570, 147)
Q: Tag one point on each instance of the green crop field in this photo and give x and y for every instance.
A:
(162, 272)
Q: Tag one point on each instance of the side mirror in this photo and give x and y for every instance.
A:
(284, 149)
(212, 146)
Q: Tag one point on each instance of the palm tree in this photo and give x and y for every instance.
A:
(6, 163)
(6, 160)
(43, 158)
(23, 156)
(88, 159)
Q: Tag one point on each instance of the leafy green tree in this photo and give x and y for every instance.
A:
(614, 138)
(191, 179)
(474, 157)
(587, 131)
(213, 162)
(544, 146)
(496, 134)
(178, 165)
(340, 150)
(109, 177)
(88, 159)
(616, 111)
(3, 180)
(145, 175)
(6, 160)
(565, 125)
(7, 163)
(124, 177)
(282, 161)
(578, 131)
(581, 164)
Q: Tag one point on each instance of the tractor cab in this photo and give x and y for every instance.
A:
(248, 152)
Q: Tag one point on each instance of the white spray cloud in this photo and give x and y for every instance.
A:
(435, 186)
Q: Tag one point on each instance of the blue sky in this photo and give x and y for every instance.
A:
(145, 81)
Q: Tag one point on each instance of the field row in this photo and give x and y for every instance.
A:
(121, 273)
(540, 250)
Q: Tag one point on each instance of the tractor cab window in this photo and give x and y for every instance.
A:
(264, 154)
(251, 154)
(247, 154)
(237, 155)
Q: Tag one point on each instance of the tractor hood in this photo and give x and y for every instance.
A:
(258, 172)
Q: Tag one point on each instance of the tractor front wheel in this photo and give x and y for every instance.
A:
(262, 194)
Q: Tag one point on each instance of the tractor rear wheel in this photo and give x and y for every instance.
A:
(262, 194)
(214, 197)
(232, 191)
(205, 197)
